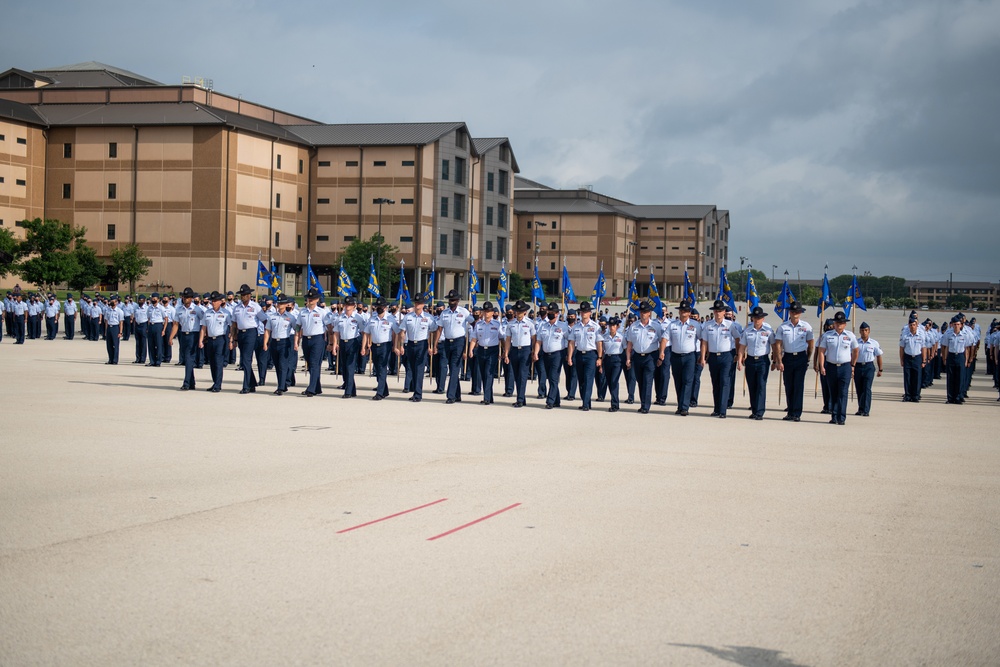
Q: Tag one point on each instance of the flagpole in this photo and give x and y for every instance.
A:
(822, 316)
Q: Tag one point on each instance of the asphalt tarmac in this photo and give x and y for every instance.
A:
(143, 525)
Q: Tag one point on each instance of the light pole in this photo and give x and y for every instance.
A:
(538, 223)
(380, 201)
(743, 287)
(773, 267)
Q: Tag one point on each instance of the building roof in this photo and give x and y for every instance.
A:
(482, 145)
(156, 113)
(19, 78)
(522, 183)
(93, 74)
(667, 212)
(944, 284)
(21, 112)
(554, 206)
(375, 134)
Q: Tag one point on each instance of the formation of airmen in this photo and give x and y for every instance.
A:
(482, 344)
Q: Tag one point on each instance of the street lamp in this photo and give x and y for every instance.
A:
(380, 201)
(743, 287)
(773, 267)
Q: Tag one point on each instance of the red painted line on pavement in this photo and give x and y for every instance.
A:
(472, 523)
(391, 516)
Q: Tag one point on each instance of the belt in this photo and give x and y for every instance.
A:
(755, 358)
(313, 336)
(488, 347)
(520, 347)
(842, 363)
(380, 344)
(793, 354)
(248, 329)
(587, 351)
(641, 354)
(682, 354)
(719, 354)
(414, 342)
(914, 356)
(866, 363)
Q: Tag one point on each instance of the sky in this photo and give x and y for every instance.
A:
(836, 132)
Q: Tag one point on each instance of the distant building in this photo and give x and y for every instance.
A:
(938, 291)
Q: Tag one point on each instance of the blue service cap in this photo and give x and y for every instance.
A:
(956, 318)
(864, 325)
(913, 317)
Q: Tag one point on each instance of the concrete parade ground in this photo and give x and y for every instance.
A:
(140, 525)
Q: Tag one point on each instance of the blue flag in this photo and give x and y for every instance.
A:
(784, 302)
(654, 294)
(600, 288)
(263, 276)
(473, 281)
(753, 299)
(431, 288)
(633, 296)
(537, 293)
(853, 298)
(725, 291)
(373, 279)
(275, 280)
(689, 290)
(403, 295)
(345, 286)
(502, 287)
(825, 298)
(311, 281)
(568, 294)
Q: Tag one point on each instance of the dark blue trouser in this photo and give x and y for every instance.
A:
(543, 374)
(757, 371)
(349, 364)
(955, 367)
(476, 371)
(601, 382)
(140, 342)
(508, 379)
(313, 348)
(612, 373)
(796, 366)
(864, 376)
(912, 380)
(18, 333)
(629, 380)
(187, 343)
(439, 367)
(277, 349)
(112, 343)
(380, 364)
(552, 363)
(416, 365)
(645, 374)
(263, 358)
(572, 381)
(51, 327)
(696, 385)
(217, 351)
(246, 340)
(155, 337)
(683, 367)
(70, 323)
(519, 362)
(839, 379)
(486, 360)
(661, 378)
(719, 366)
(732, 380)
(452, 350)
(586, 367)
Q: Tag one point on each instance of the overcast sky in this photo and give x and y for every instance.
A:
(835, 131)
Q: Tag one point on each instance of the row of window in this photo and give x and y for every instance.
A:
(354, 200)
(17, 181)
(21, 140)
(354, 163)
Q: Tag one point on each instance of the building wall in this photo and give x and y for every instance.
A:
(22, 167)
(493, 236)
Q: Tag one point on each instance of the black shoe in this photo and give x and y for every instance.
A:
(507, 395)
(858, 413)
(185, 389)
(518, 404)
(841, 423)
(630, 401)
(787, 418)
(244, 391)
(484, 402)
(643, 411)
(438, 391)
(376, 397)
(308, 393)
(683, 413)
(751, 416)
(758, 417)
(833, 421)
(797, 419)
(694, 404)
(677, 411)
(824, 411)
(215, 390)
(662, 403)
(612, 409)
(475, 393)
(715, 413)
(178, 364)
(549, 407)
(570, 398)
(107, 363)
(721, 416)
(449, 401)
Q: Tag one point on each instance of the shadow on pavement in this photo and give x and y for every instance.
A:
(748, 656)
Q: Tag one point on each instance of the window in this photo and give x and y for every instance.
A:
(489, 216)
(504, 153)
(111, 232)
(527, 245)
(443, 248)
(298, 241)
(527, 265)
(323, 237)
(300, 204)
(277, 164)
(445, 170)
(553, 246)
(1, 179)
(408, 163)
(20, 181)
(112, 191)
(406, 239)
(300, 166)
(459, 207)
(489, 182)
(459, 170)
(501, 248)
(502, 216)
(348, 238)
(277, 200)
(67, 190)
(323, 200)
(529, 224)
(352, 163)
(244, 266)
(351, 200)
(676, 229)
(489, 250)
(277, 239)
(324, 163)
(552, 266)
(113, 149)
(378, 163)
(406, 201)
(456, 238)
(3, 137)
(555, 224)
(503, 182)
(444, 207)
(460, 138)
(22, 140)
(67, 150)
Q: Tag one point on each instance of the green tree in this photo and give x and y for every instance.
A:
(129, 264)
(737, 280)
(357, 259)
(908, 303)
(90, 270)
(9, 250)
(517, 287)
(959, 301)
(47, 252)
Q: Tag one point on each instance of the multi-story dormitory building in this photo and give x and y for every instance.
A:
(205, 183)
